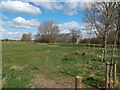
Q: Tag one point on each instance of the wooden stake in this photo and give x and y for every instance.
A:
(114, 74)
(107, 75)
(78, 82)
(111, 75)
(102, 57)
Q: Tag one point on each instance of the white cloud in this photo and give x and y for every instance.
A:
(58, 5)
(2, 23)
(3, 16)
(67, 0)
(20, 7)
(2, 29)
(65, 28)
(21, 22)
(73, 24)
(84, 5)
(87, 31)
(49, 5)
(70, 8)
(12, 35)
(69, 25)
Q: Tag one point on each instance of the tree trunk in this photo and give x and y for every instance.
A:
(105, 42)
(114, 47)
(118, 43)
(105, 47)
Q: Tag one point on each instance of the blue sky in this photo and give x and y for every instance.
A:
(20, 17)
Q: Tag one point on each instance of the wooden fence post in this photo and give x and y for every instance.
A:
(107, 75)
(78, 82)
(102, 57)
(114, 74)
(111, 75)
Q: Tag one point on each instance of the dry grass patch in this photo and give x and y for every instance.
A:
(41, 80)
(17, 67)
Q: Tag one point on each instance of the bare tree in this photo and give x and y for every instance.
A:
(101, 16)
(75, 35)
(29, 36)
(47, 32)
(118, 22)
(90, 29)
(26, 37)
(64, 38)
(116, 29)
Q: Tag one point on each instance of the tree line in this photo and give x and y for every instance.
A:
(49, 32)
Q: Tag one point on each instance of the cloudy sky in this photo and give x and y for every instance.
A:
(20, 17)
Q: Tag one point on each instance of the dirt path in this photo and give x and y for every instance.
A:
(45, 83)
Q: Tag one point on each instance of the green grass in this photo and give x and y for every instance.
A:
(22, 61)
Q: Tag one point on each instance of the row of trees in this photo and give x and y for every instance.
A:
(68, 38)
(98, 40)
(49, 32)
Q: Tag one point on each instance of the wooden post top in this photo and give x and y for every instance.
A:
(78, 77)
(107, 63)
(78, 82)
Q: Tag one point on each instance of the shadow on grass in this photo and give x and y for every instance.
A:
(94, 82)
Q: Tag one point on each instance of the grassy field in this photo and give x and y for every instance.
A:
(26, 63)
